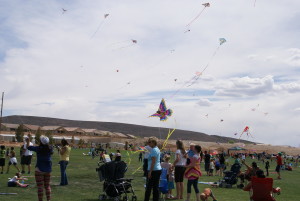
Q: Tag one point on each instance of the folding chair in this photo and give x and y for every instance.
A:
(262, 189)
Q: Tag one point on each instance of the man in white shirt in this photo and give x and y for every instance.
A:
(26, 156)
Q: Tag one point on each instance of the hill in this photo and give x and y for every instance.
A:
(136, 130)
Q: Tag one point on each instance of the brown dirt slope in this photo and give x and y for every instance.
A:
(136, 130)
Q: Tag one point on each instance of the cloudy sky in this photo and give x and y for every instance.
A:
(80, 65)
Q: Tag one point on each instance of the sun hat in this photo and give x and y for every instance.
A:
(44, 140)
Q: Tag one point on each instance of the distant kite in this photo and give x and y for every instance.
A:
(64, 10)
(162, 111)
(246, 130)
(205, 6)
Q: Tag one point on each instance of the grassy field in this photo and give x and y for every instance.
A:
(84, 183)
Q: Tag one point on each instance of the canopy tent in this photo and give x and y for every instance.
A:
(236, 149)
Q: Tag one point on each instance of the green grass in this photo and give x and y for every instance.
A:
(84, 183)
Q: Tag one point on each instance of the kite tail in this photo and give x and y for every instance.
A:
(196, 17)
(169, 135)
(137, 169)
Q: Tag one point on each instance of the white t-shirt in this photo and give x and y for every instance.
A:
(148, 148)
(212, 165)
(14, 179)
(182, 160)
(27, 152)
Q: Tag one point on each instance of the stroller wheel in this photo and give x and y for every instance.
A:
(134, 198)
(102, 197)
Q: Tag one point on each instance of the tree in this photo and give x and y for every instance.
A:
(81, 142)
(38, 136)
(73, 139)
(20, 133)
(49, 135)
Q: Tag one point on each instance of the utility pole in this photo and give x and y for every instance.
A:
(1, 111)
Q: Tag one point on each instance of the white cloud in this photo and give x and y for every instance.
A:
(204, 102)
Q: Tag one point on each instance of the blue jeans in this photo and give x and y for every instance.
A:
(63, 178)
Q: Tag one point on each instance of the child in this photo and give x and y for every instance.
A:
(12, 160)
(267, 167)
(206, 194)
(193, 173)
(211, 167)
(170, 175)
(2, 158)
(13, 182)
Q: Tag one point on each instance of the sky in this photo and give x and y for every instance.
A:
(78, 64)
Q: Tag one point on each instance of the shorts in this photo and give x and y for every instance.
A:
(211, 170)
(278, 168)
(26, 160)
(13, 161)
(206, 165)
(217, 167)
(171, 185)
(2, 161)
(11, 184)
(179, 173)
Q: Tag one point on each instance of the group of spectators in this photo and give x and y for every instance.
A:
(186, 165)
(43, 167)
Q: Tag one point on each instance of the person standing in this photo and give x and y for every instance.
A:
(267, 166)
(206, 162)
(146, 155)
(193, 173)
(12, 160)
(2, 158)
(279, 164)
(140, 157)
(26, 156)
(64, 152)
(179, 164)
(43, 167)
(154, 171)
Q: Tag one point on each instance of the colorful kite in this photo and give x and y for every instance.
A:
(246, 130)
(205, 6)
(162, 111)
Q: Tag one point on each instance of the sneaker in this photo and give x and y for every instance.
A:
(28, 172)
(23, 172)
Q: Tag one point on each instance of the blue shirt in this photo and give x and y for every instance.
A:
(43, 161)
(154, 153)
(190, 153)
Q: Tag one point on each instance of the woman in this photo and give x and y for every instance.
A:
(64, 161)
(193, 173)
(179, 164)
(43, 166)
(154, 171)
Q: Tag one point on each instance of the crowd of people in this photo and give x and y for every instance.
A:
(43, 167)
(186, 165)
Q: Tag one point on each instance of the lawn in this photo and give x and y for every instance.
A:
(84, 182)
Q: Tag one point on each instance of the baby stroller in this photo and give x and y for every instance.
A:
(115, 185)
(231, 177)
(163, 184)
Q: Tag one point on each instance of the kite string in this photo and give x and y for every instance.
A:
(99, 26)
(196, 17)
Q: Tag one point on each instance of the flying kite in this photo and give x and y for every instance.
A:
(246, 130)
(64, 10)
(205, 6)
(162, 111)
(123, 44)
(222, 40)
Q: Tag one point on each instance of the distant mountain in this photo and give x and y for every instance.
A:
(136, 130)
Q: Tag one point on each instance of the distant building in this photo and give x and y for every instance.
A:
(53, 129)
(30, 128)
(9, 127)
(74, 130)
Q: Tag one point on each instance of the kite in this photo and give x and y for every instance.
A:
(222, 40)
(221, 120)
(246, 130)
(162, 111)
(205, 6)
(64, 10)
(100, 25)
(123, 44)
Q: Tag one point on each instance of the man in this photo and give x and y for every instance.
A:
(206, 162)
(26, 156)
(279, 164)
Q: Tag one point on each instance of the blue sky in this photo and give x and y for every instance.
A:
(54, 64)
